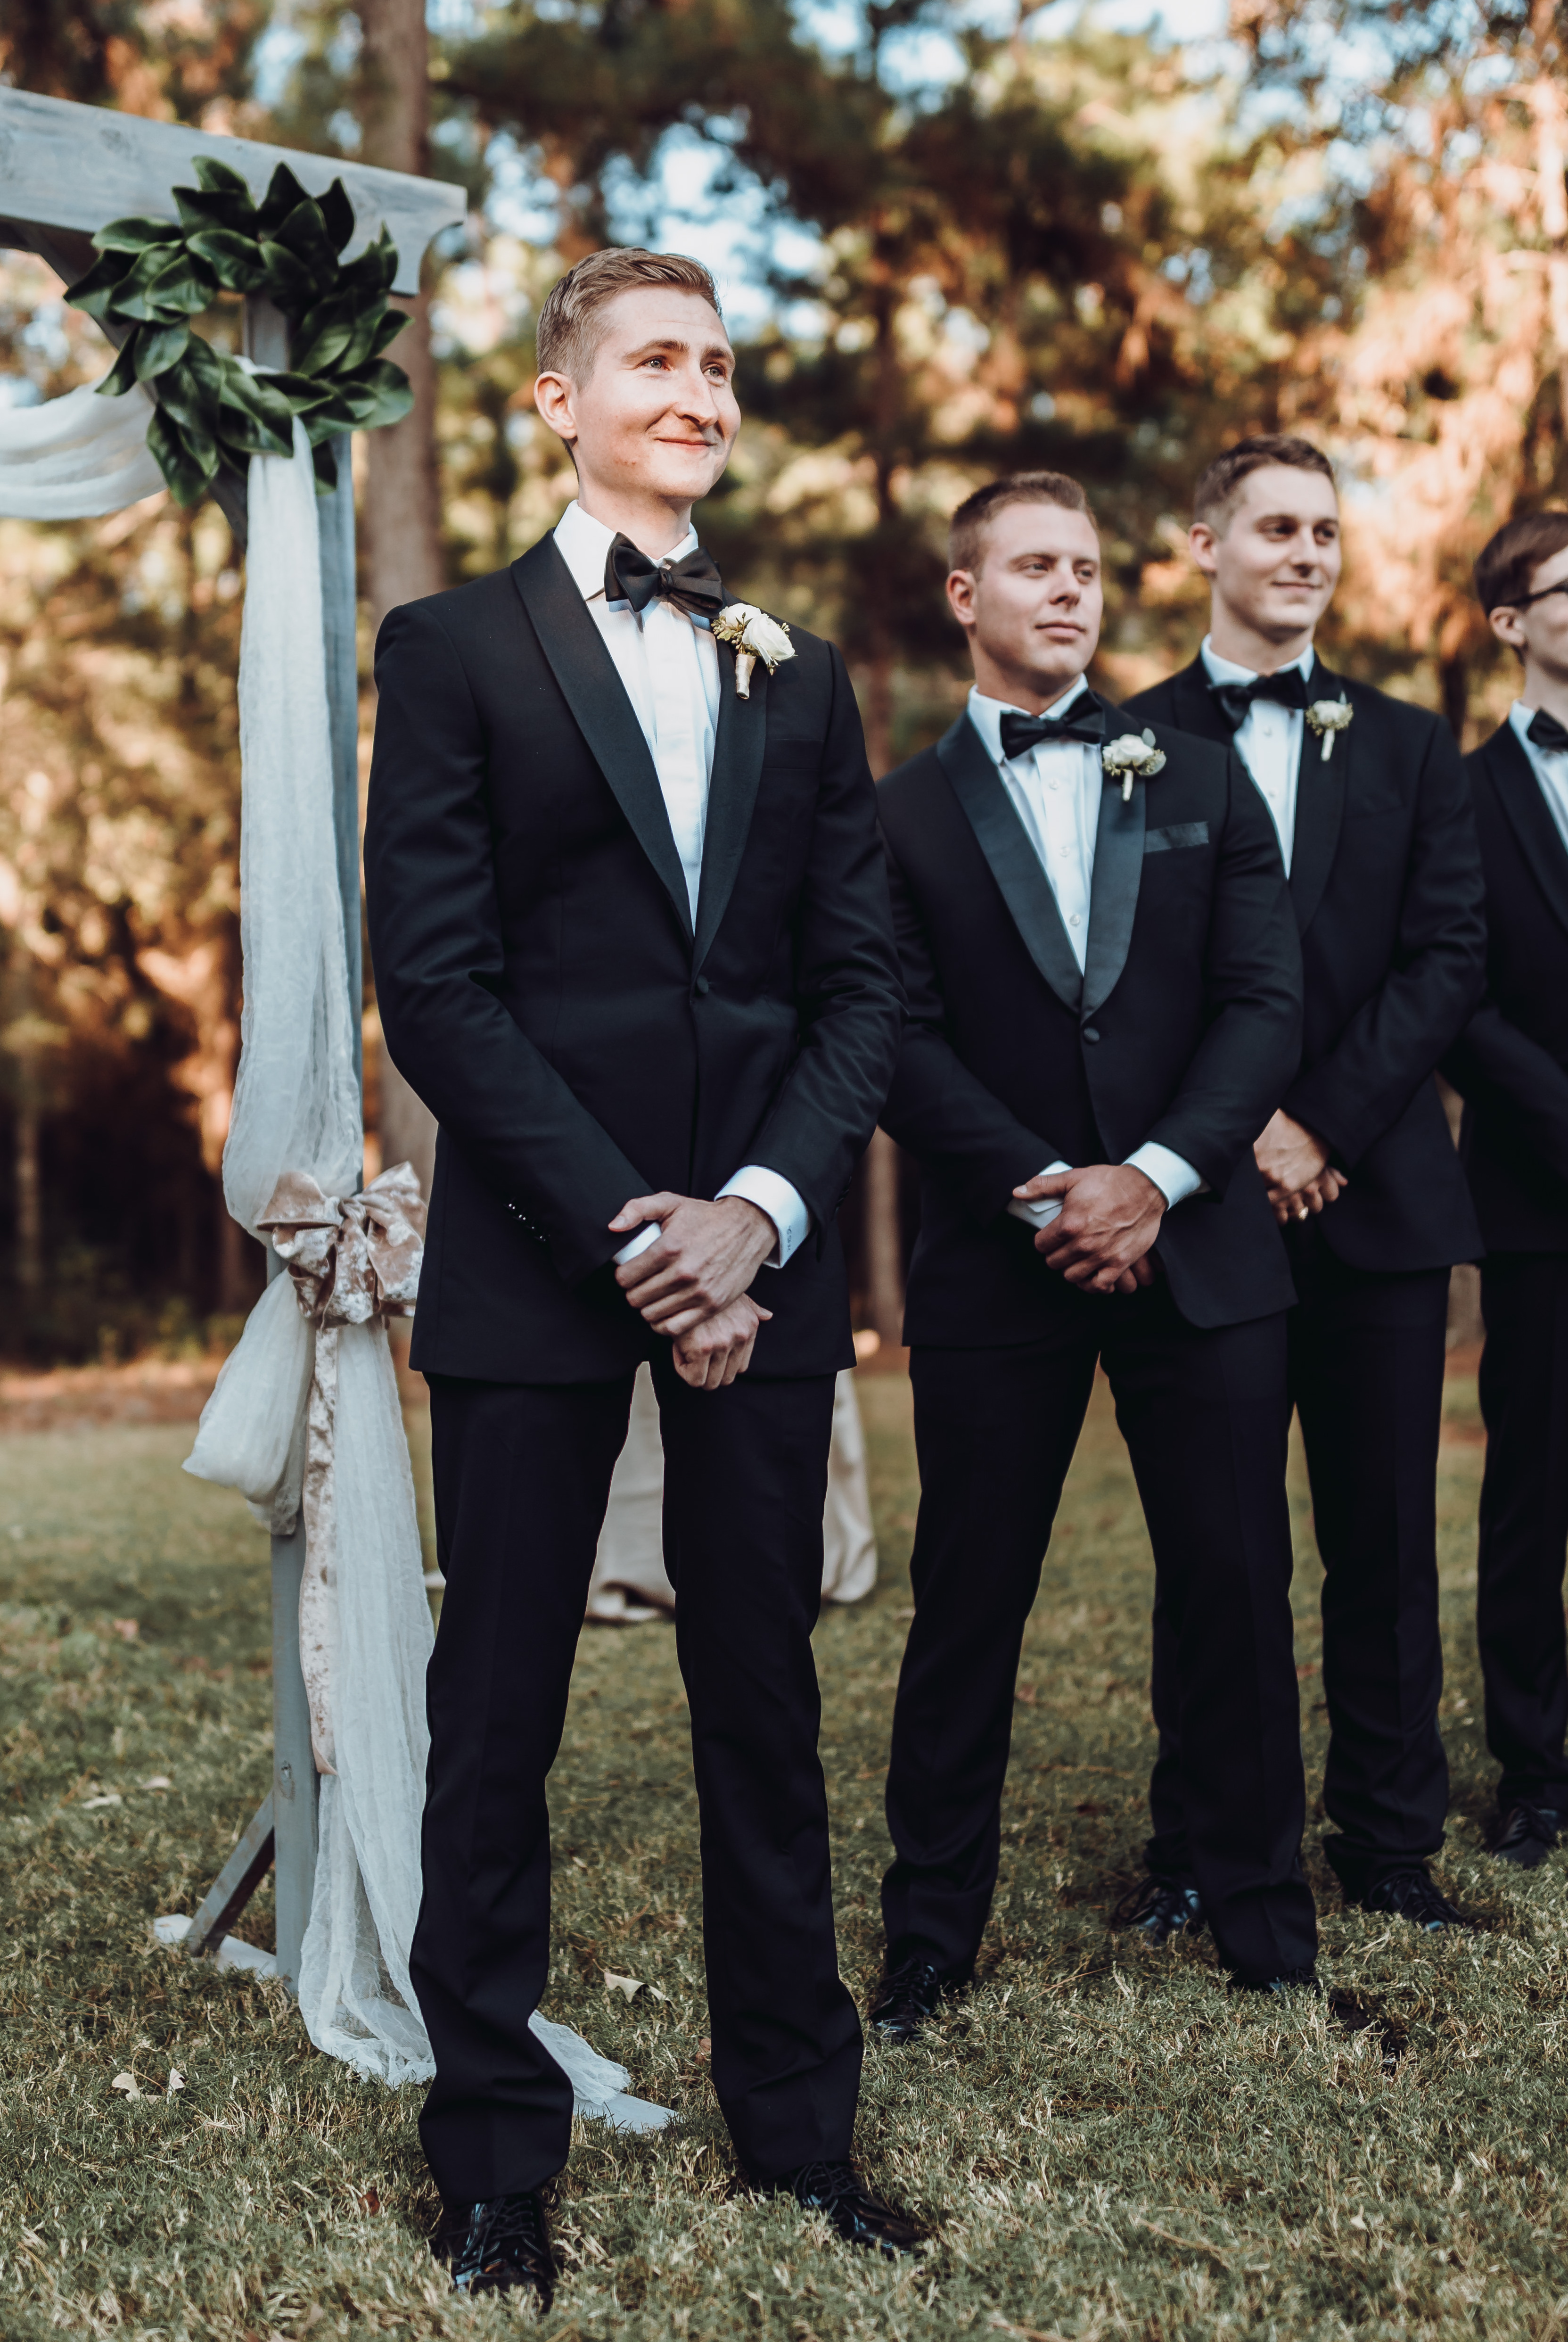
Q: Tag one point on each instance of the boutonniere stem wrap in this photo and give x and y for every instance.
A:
(1329, 717)
(1133, 757)
(751, 634)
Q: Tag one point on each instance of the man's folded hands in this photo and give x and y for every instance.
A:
(1101, 1238)
(691, 1282)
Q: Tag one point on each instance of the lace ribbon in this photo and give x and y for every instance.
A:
(352, 1261)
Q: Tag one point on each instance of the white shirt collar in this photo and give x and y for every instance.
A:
(986, 715)
(584, 544)
(1224, 670)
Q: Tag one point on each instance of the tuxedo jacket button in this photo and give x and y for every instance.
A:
(1089, 1033)
(700, 986)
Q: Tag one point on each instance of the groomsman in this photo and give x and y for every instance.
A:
(1511, 1063)
(1369, 799)
(1104, 1003)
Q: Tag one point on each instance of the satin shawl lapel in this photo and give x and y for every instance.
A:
(1118, 872)
(1195, 709)
(596, 696)
(1321, 791)
(738, 747)
(1014, 865)
(1519, 792)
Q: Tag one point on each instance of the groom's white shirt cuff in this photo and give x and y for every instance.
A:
(770, 1193)
(1171, 1174)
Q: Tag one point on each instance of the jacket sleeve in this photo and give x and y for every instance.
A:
(1502, 1073)
(1395, 1038)
(849, 999)
(1253, 986)
(437, 944)
(945, 1115)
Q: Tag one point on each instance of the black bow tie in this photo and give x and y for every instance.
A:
(1234, 700)
(1021, 733)
(1547, 733)
(693, 584)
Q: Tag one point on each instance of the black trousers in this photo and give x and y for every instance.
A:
(522, 1480)
(1524, 1522)
(1366, 1359)
(1202, 1414)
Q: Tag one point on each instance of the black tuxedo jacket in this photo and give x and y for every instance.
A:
(542, 989)
(1510, 1065)
(1184, 1028)
(1386, 884)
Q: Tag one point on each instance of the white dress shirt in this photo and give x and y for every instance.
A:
(1269, 740)
(1056, 789)
(1549, 766)
(669, 665)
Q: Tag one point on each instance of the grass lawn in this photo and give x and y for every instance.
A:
(1106, 2144)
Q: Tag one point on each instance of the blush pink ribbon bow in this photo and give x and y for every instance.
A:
(354, 1261)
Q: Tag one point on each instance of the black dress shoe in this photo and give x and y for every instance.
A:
(1159, 1908)
(1409, 1892)
(834, 2189)
(1528, 1834)
(910, 1994)
(502, 2245)
(1288, 1980)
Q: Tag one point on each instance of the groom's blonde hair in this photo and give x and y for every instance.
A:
(572, 322)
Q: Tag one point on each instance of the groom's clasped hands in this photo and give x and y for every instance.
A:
(691, 1282)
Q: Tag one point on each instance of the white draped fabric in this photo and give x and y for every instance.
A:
(296, 1118)
(629, 1582)
(76, 458)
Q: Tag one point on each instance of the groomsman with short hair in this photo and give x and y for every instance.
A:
(1511, 1066)
(1370, 802)
(1104, 982)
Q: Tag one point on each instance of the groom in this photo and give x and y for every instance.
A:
(632, 949)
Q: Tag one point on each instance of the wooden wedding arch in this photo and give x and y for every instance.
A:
(66, 171)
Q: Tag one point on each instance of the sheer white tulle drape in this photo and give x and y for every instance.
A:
(78, 457)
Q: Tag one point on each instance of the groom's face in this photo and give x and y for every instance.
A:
(656, 414)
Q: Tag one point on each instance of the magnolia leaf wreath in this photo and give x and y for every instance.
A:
(155, 275)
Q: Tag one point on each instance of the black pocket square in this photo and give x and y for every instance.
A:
(1180, 833)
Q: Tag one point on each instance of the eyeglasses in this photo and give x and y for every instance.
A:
(1523, 601)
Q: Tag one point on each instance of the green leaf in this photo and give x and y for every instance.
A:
(267, 414)
(373, 270)
(337, 214)
(157, 349)
(183, 288)
(327, 417)
(379, 394)
(290, 284)
(236, 261)
(282, 195)
(374, 329)
(206, 366)
(305, 233)
(323, 461)
(134, 233)
(324, 333)
(220, 178)
(186, 458)
(387, 328)
(123, 374)
(93, 292)
(184, 393)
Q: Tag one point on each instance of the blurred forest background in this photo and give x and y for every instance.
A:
(953, 238)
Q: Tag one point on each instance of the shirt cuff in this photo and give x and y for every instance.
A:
(1171, 1174)
(772, 1193)
(639, 1243)
(1040, 1210)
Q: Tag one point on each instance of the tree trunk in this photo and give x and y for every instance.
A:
(884, 1238)
(29, 1197)
(401, 518)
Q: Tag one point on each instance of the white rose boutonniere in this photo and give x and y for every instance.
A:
(751, 634)
(1328, 717)
(1133, 757)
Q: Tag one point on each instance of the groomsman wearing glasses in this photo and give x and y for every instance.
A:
(1511, 1065)
(1370, 802)
(1104, 982)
